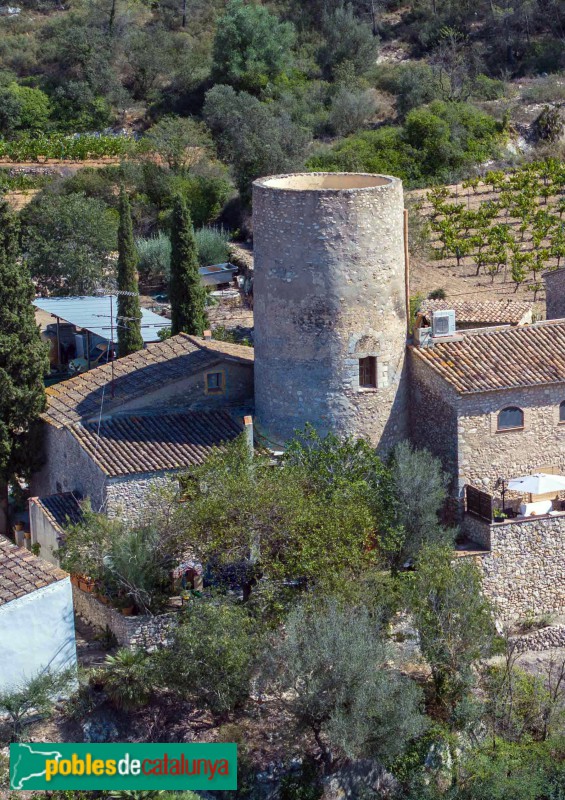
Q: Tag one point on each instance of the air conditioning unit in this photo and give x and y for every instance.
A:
(443, 323)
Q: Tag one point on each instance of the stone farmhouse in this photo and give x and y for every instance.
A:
(117, 431)
(333, 348)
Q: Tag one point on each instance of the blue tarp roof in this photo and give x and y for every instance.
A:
(93, 314)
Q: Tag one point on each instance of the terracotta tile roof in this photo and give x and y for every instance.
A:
(22, 573)
(163, 362)
(147, 443)
(527, 355)
(486, 312)
(62, 509)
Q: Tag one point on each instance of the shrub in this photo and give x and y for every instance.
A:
(413, 85)
(23, 109)
(36, 695)
(485, 88)
(211, 657)
(125, 679)
(212, 244)
(549, 125)
(438, 142)
(154, 257)
(350, 111)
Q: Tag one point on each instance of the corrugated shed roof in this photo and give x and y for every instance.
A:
(79, 398)
(486, 312)
(527, 355)
(153, 442)
(94, 314)
(22, 573)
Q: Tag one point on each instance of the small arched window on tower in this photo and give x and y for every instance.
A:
(368, 372)
(562, 411)
(510, 418)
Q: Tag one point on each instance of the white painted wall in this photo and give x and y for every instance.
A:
(37, 632)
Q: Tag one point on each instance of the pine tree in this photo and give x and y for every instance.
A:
(188, 295)
(129, 310)
(23, 363)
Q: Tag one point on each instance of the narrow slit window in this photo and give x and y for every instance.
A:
(368, 372)
(562, 411)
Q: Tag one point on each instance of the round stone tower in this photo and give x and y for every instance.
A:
(330, 306)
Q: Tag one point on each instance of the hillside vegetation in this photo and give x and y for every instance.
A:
(200, 97)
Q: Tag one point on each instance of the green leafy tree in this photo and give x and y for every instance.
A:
(23, 109)
(67, 241)
(212, 656)
(269, 523)
(129, 310)
(410, 504)
(181, 142)
(453, 619)
(252, 47)
(333, 672)
(255, 138)
(346, 39)
(23, 364)
(187, 293)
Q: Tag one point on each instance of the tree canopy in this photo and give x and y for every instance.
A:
(23, 363)
(187, 293)
(251, 47)
(129, 310)
(67, 242)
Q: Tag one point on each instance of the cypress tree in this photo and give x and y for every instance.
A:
(188, 295)
(24, 362)
(129, 310)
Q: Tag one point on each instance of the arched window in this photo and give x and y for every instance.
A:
(509, 418)
(562, 411)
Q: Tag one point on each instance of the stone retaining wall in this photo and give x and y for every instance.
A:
(524, 568)
(141, 632)
(543, 639)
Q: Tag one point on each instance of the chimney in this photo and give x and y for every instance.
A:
(207, 334)
(248, 427)
(554, 297)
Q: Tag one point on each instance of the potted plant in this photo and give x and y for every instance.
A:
(499, 515)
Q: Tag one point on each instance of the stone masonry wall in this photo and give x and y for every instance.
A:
(68, 469)
(190, 394)
(486, 455)
(433, 416)
(142, 632)
(524, 571)
(328, 290)
(555, 294)
(542, 639)
(127, 495)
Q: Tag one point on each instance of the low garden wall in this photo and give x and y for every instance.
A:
(542, 639)
(138, 633)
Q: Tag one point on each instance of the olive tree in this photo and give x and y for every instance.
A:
(333, 673)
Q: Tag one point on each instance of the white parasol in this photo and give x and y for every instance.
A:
(540, 483)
